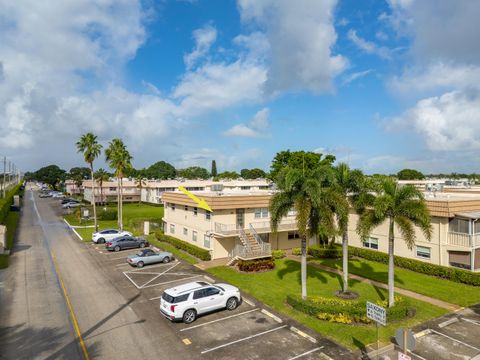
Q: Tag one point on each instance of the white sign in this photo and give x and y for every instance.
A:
(402, 356)
(376, 313)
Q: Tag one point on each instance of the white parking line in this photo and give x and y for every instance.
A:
(243, 339)
(456, 340)
(306, 353)
(475, 322)
(214, 321)
(128, 277)
(160, 274)
(169, 282)
(153, 267)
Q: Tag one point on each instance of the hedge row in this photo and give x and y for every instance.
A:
(444, 272)
(6, 202)
(347, 311)
(110, 214)
(325, 253)
(279, 254)
(256, 265)
(183, 245)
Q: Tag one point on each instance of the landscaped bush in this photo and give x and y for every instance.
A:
(3, 261)
(256, 265)
(444, 272)
(279, 254)
(110, 214)
(297, 251)
(200, 253)
(325, 253)
(7, 201)
(347, 311)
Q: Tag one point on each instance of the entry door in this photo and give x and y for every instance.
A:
(240, 218)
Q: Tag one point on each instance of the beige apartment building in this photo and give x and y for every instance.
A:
(239, 226)
(109, 190)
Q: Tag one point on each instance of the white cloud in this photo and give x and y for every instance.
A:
(368, 46)
(254, 128)
(450, 122)
(204, 39)
(356, 75)
(301, 38)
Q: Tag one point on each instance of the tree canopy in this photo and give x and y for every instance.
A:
(255, 173)
(79, 172)
(193, 172)
(307, 160)
(51, 175)
(228, 175)
(160, 170)
(410, 174)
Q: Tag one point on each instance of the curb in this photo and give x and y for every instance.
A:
(71, 227)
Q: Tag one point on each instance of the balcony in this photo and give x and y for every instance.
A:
(260, 227)
(463, 240)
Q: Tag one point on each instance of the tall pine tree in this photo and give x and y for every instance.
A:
(213, 173)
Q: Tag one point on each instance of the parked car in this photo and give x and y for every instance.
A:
(71, 204)
(148, 256)
(100, 237)
(64, 201)
(58, 195)
(186, 302)
(45, 195)
(126, 242)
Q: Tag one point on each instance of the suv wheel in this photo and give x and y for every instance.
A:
(166, 259)
(189, 316)
(140, 264)
(116, 248)
(232, 303)
(142, 244)
(101, 241)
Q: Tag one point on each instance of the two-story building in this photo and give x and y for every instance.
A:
(108, 192)
(240, 225)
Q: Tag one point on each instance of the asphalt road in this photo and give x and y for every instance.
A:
(35, 322)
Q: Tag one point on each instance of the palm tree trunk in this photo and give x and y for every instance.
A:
(118, 202)
(391, 277)
(121, 203)
(345, 259)
(304, 267)
(94, 199)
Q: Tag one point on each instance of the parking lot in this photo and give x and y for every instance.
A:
(251, 331)
(454, 336)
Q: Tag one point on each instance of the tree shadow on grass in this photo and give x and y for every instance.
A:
(292, 266)
(361, 268)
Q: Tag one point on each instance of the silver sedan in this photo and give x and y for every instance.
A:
(148, 256)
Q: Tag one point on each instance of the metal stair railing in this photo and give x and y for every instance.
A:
(265, 248)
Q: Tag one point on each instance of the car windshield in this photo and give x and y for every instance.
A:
(219, 287)
(140, 253)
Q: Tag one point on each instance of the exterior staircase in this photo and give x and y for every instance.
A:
(251, 247)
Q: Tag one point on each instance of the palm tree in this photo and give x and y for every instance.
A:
(91, 149)
(101, 176)
(314, 202)
(119, 159)
(351, 185)
(140, 183)
(403, 207)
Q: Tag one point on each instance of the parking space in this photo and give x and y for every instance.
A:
(451, 337)
(248, 332)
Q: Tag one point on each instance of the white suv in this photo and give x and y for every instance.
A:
(100, 237)
(186, 301)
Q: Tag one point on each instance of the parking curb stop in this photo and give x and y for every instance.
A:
(301, 333)
(269, 314)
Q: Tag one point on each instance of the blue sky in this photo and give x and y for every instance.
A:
(383, 85)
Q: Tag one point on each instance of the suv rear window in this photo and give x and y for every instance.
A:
(174, 299)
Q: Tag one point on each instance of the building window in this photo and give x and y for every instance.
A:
(186, 208)
(244, 187)
(206, 241)
(185, 231)
(261, 213)
(371, 243)
(172, 207)
(195, 211)
(194, 236)
(459, 226)
(423, 252)
(217, 187)
(172, 229)
(208, 215)
(113, 189)
(293, 235)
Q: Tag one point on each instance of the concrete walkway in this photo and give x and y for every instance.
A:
(433, 301)
(212, 263)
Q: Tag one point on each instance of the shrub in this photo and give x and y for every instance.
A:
(444, 272)
(347, 311)
(256, 265)
(297, 251)
(325, 253)
(279, 254)
(200, 253)
(7, 201)
(109, 214)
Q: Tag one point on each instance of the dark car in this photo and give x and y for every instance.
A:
(126, 242)
(67, 200)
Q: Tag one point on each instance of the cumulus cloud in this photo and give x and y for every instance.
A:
(204, 38)
(368, 46)
(447, 122)
(254, 128)
(301, 38)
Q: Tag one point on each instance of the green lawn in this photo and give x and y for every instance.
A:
(272, 287)
(11, 221)
(446, 290)
(133, 214)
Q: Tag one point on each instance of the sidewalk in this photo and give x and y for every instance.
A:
(433, 301)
